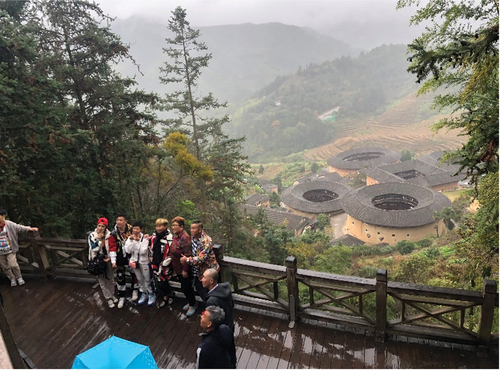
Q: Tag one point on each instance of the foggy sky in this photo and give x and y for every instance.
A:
(326, 16)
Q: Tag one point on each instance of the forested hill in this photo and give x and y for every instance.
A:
(245, 57)
(282, 118)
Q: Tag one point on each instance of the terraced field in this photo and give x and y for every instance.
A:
(397, 128)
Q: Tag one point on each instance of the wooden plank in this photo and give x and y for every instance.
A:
(257, 340)
(240, 264)
(435, 292)
(435, 301)
(279, 339)
(328, 278)
(318, 349)
(336, 347)
(307, 340)
(270, 338)
(354, 354)
(315, 284)
(287, 349)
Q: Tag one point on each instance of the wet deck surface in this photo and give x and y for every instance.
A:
(53, 321)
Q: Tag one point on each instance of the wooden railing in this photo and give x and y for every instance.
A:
(378, 305)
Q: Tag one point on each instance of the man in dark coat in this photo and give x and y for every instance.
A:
(213, 351)
(218, 295)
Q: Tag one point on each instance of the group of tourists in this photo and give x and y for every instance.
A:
(152, 261)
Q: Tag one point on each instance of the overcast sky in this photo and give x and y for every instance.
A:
(321, 15)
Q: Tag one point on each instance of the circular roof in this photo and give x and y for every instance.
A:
(412, 205)
(356, 159)
(315, 192)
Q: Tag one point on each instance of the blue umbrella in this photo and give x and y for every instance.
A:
(116, 353)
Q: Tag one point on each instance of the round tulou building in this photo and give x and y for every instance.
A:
(393, 211)
(312, 198)
(349, 162)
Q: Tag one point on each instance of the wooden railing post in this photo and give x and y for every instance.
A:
(292, 288)
(39, 255)
(381, 303)
(487, 311)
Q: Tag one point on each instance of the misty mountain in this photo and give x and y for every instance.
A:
(245, 57)
(287, 116)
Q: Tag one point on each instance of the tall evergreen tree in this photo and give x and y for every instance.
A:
(183, 68)
(459, 52)
(86, 150)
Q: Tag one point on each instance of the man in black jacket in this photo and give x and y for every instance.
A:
(218, 295)
(213, 351)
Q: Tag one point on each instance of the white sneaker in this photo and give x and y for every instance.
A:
(21, 281)
(111, 304)
(151, 300)
(143, 299)
(13, 282)
(121, 302)
(135, 295)
(115, 300)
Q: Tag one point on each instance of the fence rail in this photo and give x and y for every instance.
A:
(378, 305)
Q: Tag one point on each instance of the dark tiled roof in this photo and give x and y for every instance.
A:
(434, 159)
(358, 204)
(341, 160)
(348, 241)
(321, 176)
(256, 198)
(293, 197)
(430, 175)
(292, 221)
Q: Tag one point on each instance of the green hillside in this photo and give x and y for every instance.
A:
(283, 118)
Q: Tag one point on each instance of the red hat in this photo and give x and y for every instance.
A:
(102, 220)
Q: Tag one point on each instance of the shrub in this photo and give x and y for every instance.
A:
(432, 252)
(405, 247)
(424, 243)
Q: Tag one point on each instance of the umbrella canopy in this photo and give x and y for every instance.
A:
(116, 353)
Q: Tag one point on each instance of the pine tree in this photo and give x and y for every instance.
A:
(186, 59)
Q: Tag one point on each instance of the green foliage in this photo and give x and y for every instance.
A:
(424, 243)
(209, 145)
(71, 127)
(358, 180)
(414, 270)
(261, 169)
(322, 221)
(335, 260)
(406, 155)
(405, 247)
(460, 52)
(432, 252)
(369, 272)
(275, 200)
(479, 232)
(371, 250)
(361, 86)
(314, 167)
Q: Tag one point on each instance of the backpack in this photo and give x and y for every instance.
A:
(96, 265)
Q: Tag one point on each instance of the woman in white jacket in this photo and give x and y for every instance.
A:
(98, 243)
(137, 245)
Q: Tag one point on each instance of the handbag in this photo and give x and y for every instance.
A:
(96, 265)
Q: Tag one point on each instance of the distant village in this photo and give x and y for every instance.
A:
(398, 202)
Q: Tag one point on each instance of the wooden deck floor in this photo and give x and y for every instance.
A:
(53, 321)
